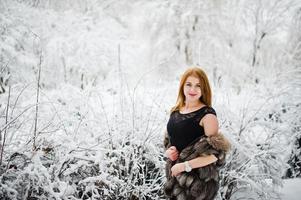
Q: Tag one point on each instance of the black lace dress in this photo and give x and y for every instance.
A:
(184, 129)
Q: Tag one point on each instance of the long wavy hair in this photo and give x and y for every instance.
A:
(206, 97)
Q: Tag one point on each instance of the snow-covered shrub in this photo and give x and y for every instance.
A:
(82, 152)
(261, 132)
(26, 177)
(295, 160)
(136, 171)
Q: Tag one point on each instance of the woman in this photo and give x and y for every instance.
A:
(194, 148)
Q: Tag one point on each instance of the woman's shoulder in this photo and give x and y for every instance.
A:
(172, 112)
(209, 110)
(208, 116)
(206, 110)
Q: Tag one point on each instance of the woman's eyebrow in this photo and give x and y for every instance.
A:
(191, 83)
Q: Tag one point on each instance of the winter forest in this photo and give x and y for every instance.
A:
(86, 87)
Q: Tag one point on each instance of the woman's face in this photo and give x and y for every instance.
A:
(192, 89)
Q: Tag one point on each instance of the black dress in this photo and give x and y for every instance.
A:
(184, 129)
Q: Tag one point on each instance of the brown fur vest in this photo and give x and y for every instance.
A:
(201, 183)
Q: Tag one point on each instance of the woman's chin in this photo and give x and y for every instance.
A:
(192, 99)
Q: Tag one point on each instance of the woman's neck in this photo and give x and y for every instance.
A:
(192, 105)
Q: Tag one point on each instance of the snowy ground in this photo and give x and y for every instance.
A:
(291, 189)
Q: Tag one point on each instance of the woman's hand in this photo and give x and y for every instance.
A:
(177, 169)
(172, 153)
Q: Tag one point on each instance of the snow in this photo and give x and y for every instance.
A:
(291, 189)
(110, 74)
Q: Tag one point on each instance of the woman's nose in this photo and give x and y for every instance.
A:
(193, 89)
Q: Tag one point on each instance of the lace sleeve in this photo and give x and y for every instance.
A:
(207, 110)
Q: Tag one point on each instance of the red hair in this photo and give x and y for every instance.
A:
(206, 97)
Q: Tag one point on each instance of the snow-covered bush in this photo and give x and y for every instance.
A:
(261, 130)
(81, 152)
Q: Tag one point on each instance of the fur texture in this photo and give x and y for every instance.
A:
(201, 183)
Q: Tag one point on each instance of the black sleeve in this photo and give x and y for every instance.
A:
(207, 110)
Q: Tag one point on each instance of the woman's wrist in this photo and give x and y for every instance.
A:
(183, 167)
(187, 166)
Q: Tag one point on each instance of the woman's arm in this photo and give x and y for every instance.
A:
(194, 163)
(210, 124)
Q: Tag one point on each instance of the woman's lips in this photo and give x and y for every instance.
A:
(192, 94)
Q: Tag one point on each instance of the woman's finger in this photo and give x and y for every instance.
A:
(174, 151)
(173, 148)
(173, 158)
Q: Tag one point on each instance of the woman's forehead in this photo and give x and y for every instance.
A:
(193, 79)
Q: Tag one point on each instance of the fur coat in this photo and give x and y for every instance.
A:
(201, 183)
